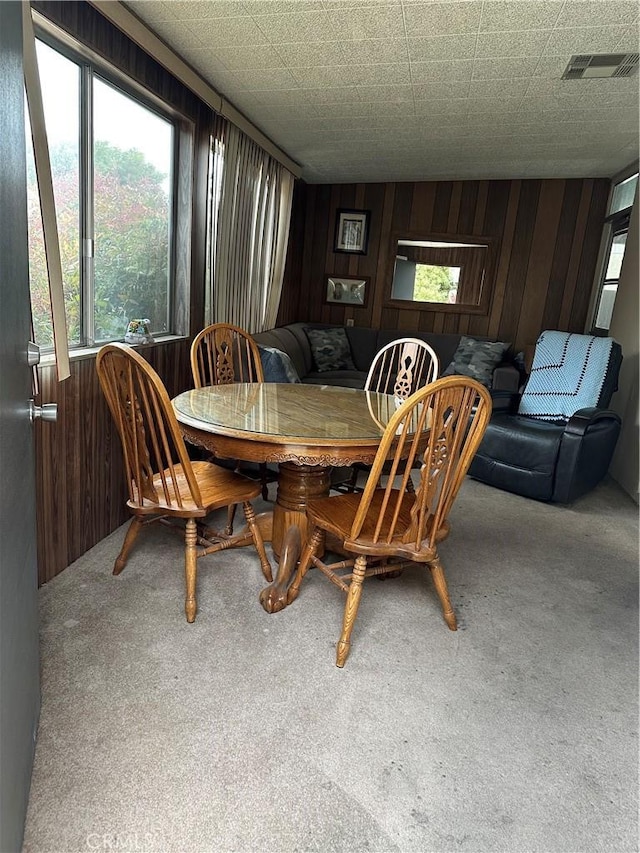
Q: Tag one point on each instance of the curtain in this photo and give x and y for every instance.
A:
(250, 197)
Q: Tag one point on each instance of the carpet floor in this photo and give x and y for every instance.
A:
(516, 733)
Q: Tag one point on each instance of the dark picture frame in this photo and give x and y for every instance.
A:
(352, 231)
(351, 291)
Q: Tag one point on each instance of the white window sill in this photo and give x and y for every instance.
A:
(81, 353)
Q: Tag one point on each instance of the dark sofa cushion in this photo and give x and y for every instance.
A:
(444, 345)
(287, 339)
(476, 359)
(330, 349)
(364, 345)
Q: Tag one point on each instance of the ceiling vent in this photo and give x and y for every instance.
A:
(601, 65)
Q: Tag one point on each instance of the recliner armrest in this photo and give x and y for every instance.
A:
(580, 421)
(505, 377)
(505, 402)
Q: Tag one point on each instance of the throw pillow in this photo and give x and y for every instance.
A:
(277, 365)
(330, 349)
(476, 359)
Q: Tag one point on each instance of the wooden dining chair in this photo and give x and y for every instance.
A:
(164, 484)
(387, 528)
(222, 354)
(399, 368)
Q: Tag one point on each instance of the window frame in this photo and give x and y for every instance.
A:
(614, 224)
(92, 65)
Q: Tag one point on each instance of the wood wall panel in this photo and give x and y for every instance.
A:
(547, 232)
(292, 280)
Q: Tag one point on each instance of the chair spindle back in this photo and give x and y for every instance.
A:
(152, 443)
(401, 367)
(439, 427)
(223, 354)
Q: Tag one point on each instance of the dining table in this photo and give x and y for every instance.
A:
(306, 429)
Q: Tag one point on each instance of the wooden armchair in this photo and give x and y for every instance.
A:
(387, 528)
(163, 482)
(222, 354)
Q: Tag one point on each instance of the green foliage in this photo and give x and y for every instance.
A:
(432, 283)
(129, 167)
(132, 232)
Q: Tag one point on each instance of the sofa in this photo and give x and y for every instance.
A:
(363, 343)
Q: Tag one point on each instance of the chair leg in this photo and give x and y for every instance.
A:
(190, 568)
(264, 480)
(258, 541)
(132, 534)
(351, 610)
(305, 562)
(353, 482)
(231, 514)
(440, 583)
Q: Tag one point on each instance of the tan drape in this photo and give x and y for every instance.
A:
(47, 201)
(250, 199)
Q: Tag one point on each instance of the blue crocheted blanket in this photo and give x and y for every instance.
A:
(567, 374)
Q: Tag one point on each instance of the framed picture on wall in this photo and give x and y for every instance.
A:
(347, 291)
(352, 231)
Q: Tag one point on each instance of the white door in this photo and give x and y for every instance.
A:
(19, 676)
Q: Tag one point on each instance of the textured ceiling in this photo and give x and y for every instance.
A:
(397, 90)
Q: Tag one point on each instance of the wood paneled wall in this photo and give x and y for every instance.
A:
(547, 231)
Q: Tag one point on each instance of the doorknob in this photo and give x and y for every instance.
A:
(47, 412)
(33, 354)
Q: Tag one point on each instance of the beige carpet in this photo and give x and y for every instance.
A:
(518, 733)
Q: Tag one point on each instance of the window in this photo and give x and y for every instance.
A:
(112, 153)
(616, 230)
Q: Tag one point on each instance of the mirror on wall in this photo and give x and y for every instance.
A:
(442, 273)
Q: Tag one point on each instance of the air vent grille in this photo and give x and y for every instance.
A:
(628, 65)
(583, 66)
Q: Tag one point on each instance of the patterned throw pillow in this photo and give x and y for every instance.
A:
(476, 359)
(330, 349)
(277, 365)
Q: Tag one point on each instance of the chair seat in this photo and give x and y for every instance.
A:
(218, 487)
(336, 516)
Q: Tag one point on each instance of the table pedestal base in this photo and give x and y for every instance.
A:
(296, 485)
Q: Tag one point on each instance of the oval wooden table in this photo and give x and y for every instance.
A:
(306, 429)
